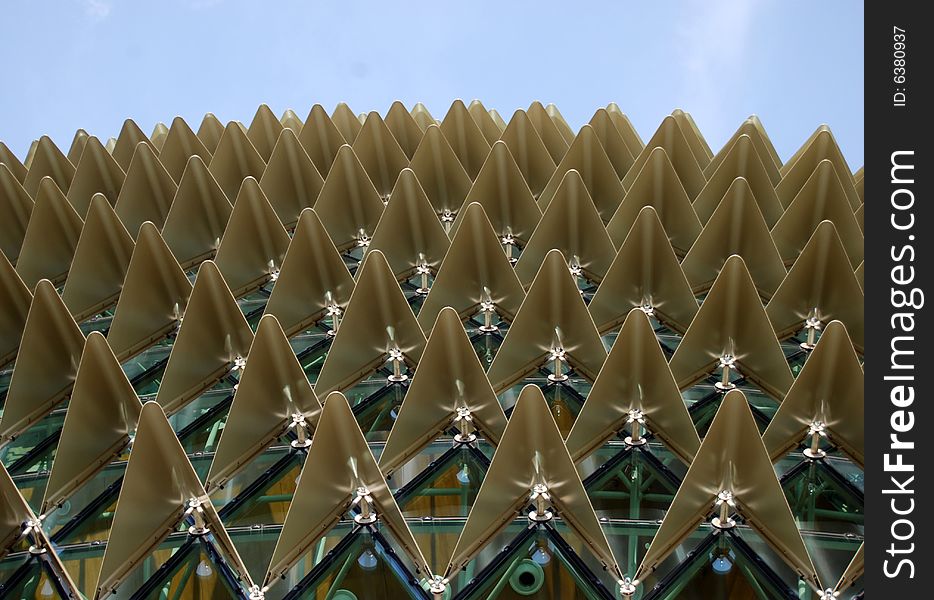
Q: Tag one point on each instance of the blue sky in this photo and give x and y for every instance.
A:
(93, 63)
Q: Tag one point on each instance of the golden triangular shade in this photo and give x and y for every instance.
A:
(380, 154)
(292, 121)
(475, 262)
(235, 159)
(96, 173)
(158, 135)
(291, 182)
(210, 132)
(348, 205)
(765, 151)
(735, 227)
(670, 138)
(16, 168)
(272, 390)
(423, 243)
(500, 123)
(528, 150)
(17, 521)
(626, 130)
(320, 139)
(797, 171)
(46, 364)
(102, 415)
(198, 217)
(440, 172)
(613, 144)
(34, 146)
(820, 279)
(488, 126)
(346, 122)
(504, 195)
(741, 160)
(213, 336)
(563, 128)
(254, 243)
(828, 392)
(645, 272)
(449, 377)
(635, 377)
(153, 298)
(378, 320)
(313, 276)
(339, 463)
(404, 129)
(465, 138)
(586, 155)
(51, 237)
(15, 210)
(125, 147)
(15, 299)
(571, 224)
(658, 186)
(147, 193)
(48, 161)
(732, 324)
(554, 141)
(100, 263)
(422, 116)
(821, 198)
(158, 487)
(733, 459)
(14, 512)
(553, 316)
(530, 454)
(693, 136)
(77, 145)
(264, 131)
(180, 145)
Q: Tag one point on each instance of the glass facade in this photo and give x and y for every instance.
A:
(631, 479)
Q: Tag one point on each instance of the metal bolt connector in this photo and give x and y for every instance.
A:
(334, 312)
(196, 512)
(540, 498)
(725, 502)
(812, 325)
(423, 270)
(636, 421)
(466, 430)
(727, 363)
(558, 357)
(363, 240)
(397, 359)
(509, 242)
(627, 587)
(364, 500)
(302, 433)
(816, 431)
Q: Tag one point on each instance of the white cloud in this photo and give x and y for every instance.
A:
(97, 9)
(715, 38)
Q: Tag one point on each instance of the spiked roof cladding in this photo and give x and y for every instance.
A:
(387, 356)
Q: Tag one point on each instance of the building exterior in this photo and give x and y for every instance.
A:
(396, 357)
